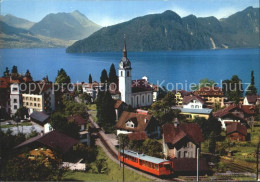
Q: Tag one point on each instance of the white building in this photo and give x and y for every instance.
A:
(137, 93)
(15, 98)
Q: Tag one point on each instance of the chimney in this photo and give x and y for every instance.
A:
(176, 122)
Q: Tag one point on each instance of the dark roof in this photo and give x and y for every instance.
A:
(251, 99)
(226, 110)
(138, 119)
(209, 91)
(141, 86)
(236, 127)
(248, 109)
(78, 119)
(174, 134)
(189, 164)
(54, 139)
(39, 117)
(187, 99)
(137, 135)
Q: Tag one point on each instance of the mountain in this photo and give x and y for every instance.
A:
(168, 31)
(16, 22)
(11, 37)
(65, 26)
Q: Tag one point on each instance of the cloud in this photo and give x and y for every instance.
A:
(107, 21)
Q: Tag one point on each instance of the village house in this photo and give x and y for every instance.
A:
(236, 131)
(251, 100)
(41, 119)
(193, 106)
(179, 95)
(54, 140)
(232, 113)
(211, 95)
(130, 122)
(181, 140)
(83, 132)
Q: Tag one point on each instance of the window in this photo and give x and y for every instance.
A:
(34, 104)
(179, 154)
(39, 105)
(121, 73)
(192, 106)
(15, 89)
(148, 99)
(15, 106)
(137, 100)
(196, 106)
(38, 99)
(185, 154)
(15, 100)
(27, 103)
(128, 73)
(143, 98)
(34, 99)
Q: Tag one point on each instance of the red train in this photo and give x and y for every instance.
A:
(153, 165)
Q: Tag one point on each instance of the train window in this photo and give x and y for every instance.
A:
(156, 166)
(167, 166)
(160, 165)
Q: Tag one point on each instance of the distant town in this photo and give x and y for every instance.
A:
(118, 128)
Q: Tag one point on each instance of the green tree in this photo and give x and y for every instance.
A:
(233, 88)
(105, 110)
(21, 113)
(14, 70)
(152, 147)
(89, 78)
(162, 109)
(62, 78)
(60, 123)
(85, 98)
(252, 89)
(7, 72)
(212, 142)
(102, 166)
(112, 75)
(103, 77)
(204, 83)
(22, 168)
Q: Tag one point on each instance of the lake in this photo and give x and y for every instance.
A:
(160, 67)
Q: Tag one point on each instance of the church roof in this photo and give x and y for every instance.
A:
(125, 61)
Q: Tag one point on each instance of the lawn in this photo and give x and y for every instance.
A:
(115, 173)
(20, 124)
(92, 109)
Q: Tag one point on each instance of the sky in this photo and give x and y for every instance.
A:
(107, 12)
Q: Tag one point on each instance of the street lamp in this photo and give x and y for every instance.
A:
(257, 160)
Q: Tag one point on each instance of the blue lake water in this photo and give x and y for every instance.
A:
(174, 67)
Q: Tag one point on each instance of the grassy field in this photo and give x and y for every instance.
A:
(20, 124)
(92, 109)
(115, 173)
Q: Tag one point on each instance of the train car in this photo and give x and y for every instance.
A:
(153, 165)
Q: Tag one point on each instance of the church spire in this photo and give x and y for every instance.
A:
(124, 49)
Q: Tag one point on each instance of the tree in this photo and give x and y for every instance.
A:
(152, 147)
(104, 77)
(28, 74)
(212, 142)
(41, 168)
(216, 106)
(204, 83)
(112, 75)
(21, 112)
(233, 88)
(105, 110)
(60, 123)
(62, 78)
(162, 109)
(7, 72)
(252, 89)
(14, 70)
(85, 98)
(89, 78)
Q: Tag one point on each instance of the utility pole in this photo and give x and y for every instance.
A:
(123, 161)
(198, 150)
(257, 160)
(119, 153)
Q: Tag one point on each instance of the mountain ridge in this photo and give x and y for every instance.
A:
(168, 31)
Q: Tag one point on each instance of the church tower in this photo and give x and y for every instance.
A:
(125, 77)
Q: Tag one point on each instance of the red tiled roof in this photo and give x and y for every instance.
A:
(174, 134)
(248, 109)
(209, 91)
(78, 119)
(226, 110)
(251, 99)
(55, 140)
(236, 127)
(187, 99)
(138, 119)
(4, 82)
(137, 135)
(140, 86)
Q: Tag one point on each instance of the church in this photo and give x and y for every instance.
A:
(137, 93)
